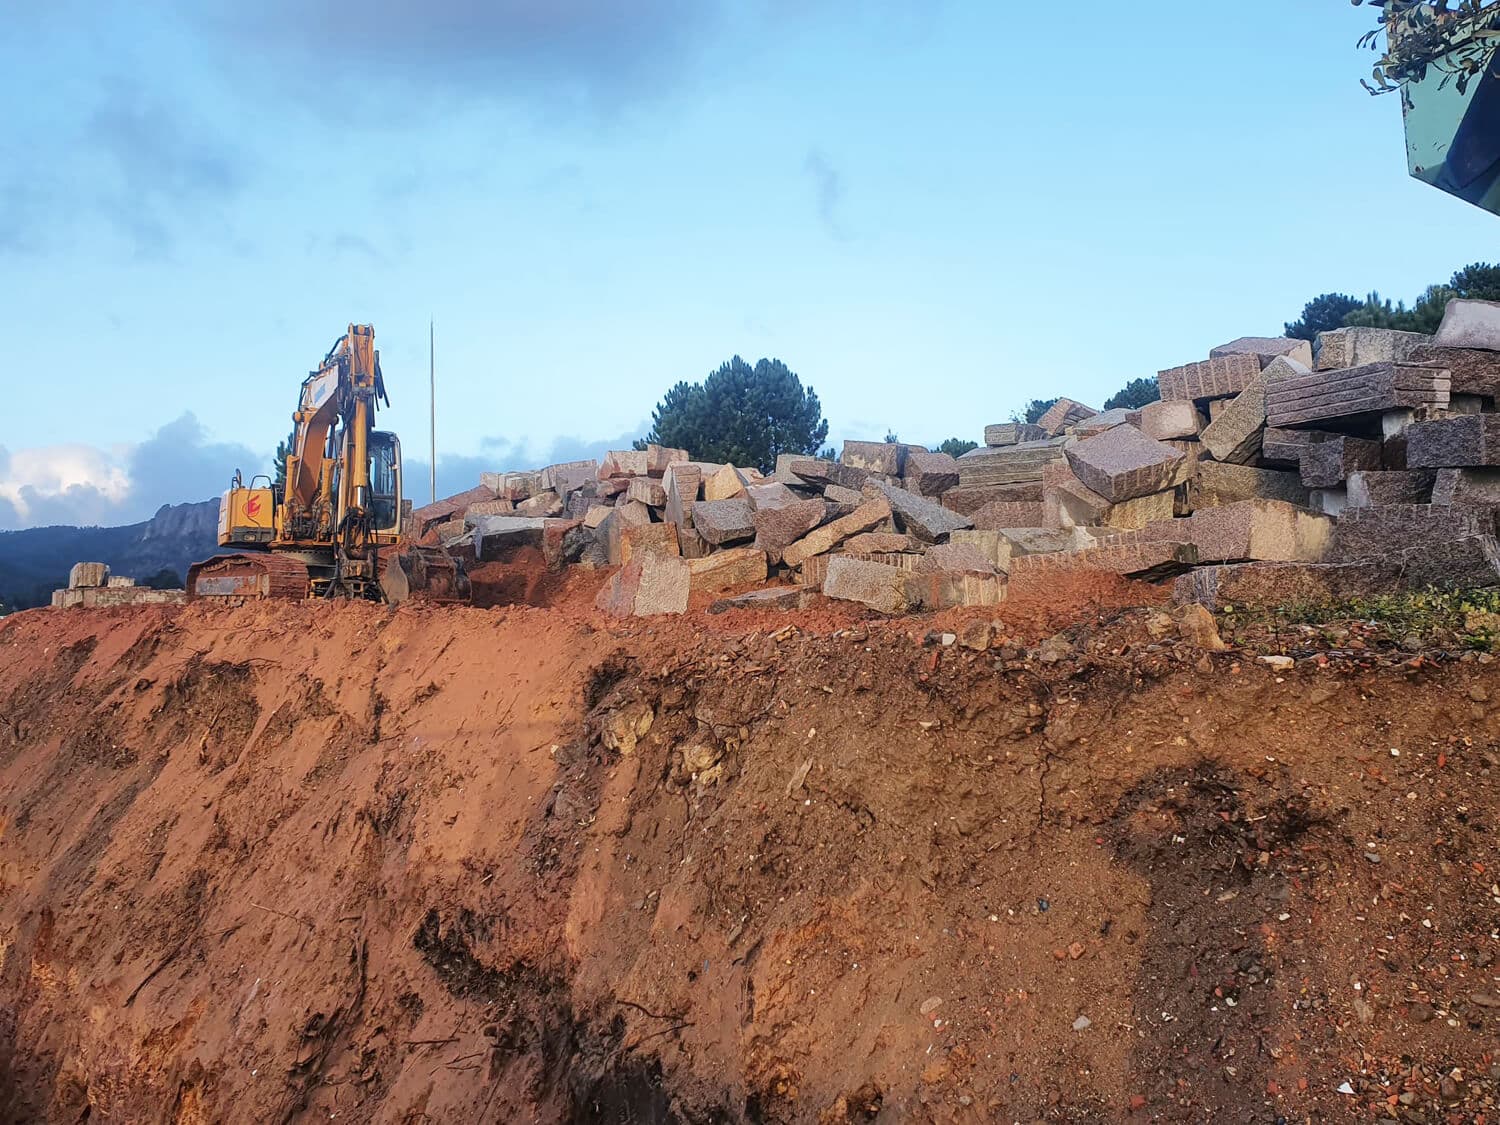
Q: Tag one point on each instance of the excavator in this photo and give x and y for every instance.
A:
(334, 528)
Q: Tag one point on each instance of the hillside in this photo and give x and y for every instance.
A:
(36, 561)
(297, 862)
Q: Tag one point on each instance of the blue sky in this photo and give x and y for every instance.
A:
(932, 211)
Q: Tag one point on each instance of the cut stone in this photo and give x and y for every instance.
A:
(1045, 540)
(1354, 395)
(1373, 489)
(1138, 558)
(957, 557)
(1123, 463)
(683, 483)
(740, 566)
(1177, 418)
(928, 473)
(777, 597)
(772, 494)
(1067, 501)
(1014, 464)
(724, 521)
(1373, 532)
(632, 511)
(88, 576)
(1328, 501)
(513, 486)
(542, 504)
(725, 484)
(1327, 464)
(884, 457)
(1269, 530)
(648, 538)
(1356, 347)
(495, 534)
(646, 586)
(1471, 440)
(1234, 436)
(1470, 324)
(566, 476)
(647, 491)
(915, 515)
(1012, 433)
(841, 495)
(1267, 348)
(1216, 484)
(880, 587)
(866, 517)
(1062, 414)
(968, 499)
(944, 589)
(1466, 486)
(1217, 378)
(1284, 447)
(624, 463)
(992, 546)
(1471, 371)
(815, 470)
(880, 543)
(1105, 420)
(693, 545)
(778, 528)
(596, 515)
(495, 507)
(1000, 513)
(1139, 511)
(658, 457)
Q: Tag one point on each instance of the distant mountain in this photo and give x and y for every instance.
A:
(36, 561)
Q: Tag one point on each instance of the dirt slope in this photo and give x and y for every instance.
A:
(312, 862)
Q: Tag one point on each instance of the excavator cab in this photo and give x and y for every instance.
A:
(385, 482)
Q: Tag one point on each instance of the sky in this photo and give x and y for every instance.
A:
(931, 210)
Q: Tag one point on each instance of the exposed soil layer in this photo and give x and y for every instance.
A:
(280, 863)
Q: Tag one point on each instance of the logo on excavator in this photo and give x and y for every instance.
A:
(252, 507)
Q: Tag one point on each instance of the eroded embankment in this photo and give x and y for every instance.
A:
(284, 862)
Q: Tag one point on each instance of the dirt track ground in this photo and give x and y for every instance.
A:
(280, 863)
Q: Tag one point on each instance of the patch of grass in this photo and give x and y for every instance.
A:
(1471, 617)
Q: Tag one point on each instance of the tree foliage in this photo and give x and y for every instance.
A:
(1134, 394)
(741, 414)
(1033, 410)
(1455, 38)
(164, 579)
(1322, 314)
(956, 447)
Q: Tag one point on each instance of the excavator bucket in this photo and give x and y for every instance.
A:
(427, 574)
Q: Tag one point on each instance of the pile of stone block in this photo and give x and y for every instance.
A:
(1272, 471)
(90, 585)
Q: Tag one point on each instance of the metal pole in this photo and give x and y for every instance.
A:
(432, 401)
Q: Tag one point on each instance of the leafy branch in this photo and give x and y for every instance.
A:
(1455, 38)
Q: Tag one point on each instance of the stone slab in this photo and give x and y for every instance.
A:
(1355, 347)
(1217, 378)
(1045, 540)
(1104, 420)
(1351, 395)
(683, 484)
(1167, 419)
(648, 538)
(1062, 414)
(88, 576)
(1001, 513)
(968, 499)
(1284, 447)
(566, 476)
(777, 528)
(1466, 486)
(880, 542)
(992, 546)
(775, 598)
(632, 511)
(1123, 463)
(929, 474)
(1215, 484)
(1470, 324)
(1015, 464)
(646, 586)
(1149, 560)
(1234, 436)
(1471, 371)
(624, 463)
(880, 587)
(817, 471)
(957, 557)
(1267, 348)
(648, 491)
(724, 521)
(770, 494)
(886, 458)
(838, 494)
(1373, 532)
(658, 457)
(723, 570)
(726, 483)
(867, 517)
(915, 515)
(494, 534)
(1012, 433)
(1259, 530)
(1467, 441)
(1327, 464)
(495, 507)
(1372, 489)
(945, 589)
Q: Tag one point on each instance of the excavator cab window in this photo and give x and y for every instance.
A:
(385, 481)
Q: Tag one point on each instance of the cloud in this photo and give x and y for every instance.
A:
(83, 484)
(601, 51)
(828, 184)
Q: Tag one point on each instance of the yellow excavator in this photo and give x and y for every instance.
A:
(335, 527)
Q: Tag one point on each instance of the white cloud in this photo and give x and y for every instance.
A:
(30, 479)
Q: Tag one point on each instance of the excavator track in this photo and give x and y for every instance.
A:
(248, 577)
